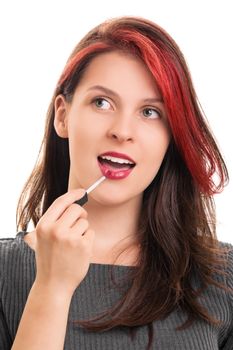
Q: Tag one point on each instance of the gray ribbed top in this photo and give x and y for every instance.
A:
(95, 293)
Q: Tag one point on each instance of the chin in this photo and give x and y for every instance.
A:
(111, 199)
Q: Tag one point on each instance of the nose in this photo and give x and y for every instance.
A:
(121, 129)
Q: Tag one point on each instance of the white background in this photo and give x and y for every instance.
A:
(36, 38)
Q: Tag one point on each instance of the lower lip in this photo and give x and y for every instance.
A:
(113, 174)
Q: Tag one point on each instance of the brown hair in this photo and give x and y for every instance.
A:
(177, 232)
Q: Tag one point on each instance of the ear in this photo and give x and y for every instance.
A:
(60, 116)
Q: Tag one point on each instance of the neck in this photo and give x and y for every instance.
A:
(116, 230)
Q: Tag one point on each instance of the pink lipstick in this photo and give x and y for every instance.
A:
(114, 174)
(115, 166)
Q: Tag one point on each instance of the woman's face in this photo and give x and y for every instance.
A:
(115, 108)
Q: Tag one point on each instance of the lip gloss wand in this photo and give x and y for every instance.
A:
(84, 199)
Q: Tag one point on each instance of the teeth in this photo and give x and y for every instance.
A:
(116, 160)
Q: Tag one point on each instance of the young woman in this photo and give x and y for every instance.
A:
(138, 266)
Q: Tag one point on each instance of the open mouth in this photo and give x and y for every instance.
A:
(115, 168)
(116, 165)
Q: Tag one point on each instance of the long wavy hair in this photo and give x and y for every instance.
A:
(177, 225)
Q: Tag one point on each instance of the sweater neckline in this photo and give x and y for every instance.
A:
(21, 234)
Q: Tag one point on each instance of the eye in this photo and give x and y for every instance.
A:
(151, 113)
(101, 103)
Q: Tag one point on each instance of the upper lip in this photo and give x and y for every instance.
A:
(117, 155)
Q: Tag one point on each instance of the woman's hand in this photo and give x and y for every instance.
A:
(64, 244)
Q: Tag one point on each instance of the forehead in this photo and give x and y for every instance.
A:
(121, 72)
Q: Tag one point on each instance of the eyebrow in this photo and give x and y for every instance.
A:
(113, 93)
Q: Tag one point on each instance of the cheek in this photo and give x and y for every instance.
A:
(84, 139)
(80, 132)
(157, 145)
(155, 152)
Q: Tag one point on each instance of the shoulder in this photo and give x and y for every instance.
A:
(229, 255)
(228, 339)
(13, 252)
(227, 252)
(226, 245)
(17, 267)
(227, 249)
(7, 246)
(10, 245)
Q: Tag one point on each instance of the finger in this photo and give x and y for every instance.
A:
(59, 231)
(71, 215)
(58, 207)
(79, 227)
(88, 240)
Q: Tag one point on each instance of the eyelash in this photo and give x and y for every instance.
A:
(147, 108)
